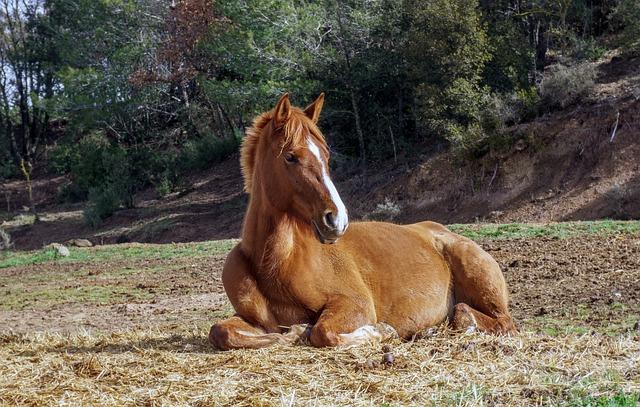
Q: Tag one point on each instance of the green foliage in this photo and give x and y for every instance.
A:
(448, 49)
(588, 49)
(626, 16)
(171, 89)
(103, 202)
(62, 157)
(104, 173)
(508, 67)
(200, 153)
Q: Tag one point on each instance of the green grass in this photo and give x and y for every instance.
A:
(619, 400)
(551, 230)
(19, 299)
(117, 252)
(168, 251)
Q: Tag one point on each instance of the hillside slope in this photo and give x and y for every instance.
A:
(565, 167)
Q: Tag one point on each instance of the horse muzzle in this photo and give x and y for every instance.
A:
(329, 230)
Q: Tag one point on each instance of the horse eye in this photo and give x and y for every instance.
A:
(290, 158)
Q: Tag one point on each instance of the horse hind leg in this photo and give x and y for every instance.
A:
(470, 320)
(480, 290)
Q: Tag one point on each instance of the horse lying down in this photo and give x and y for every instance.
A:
(301, 270)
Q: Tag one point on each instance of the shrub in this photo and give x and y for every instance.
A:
(5, 240)
(71, 193)
(164, 186)
(63, 157)
(386, 211)
(108, 175)
(626, 17)
(505, 109)
(7, 169)
(103, 202)
(200, 153)
(588, 48)
(563, 86)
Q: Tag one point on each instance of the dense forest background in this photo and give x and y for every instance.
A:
(123, 95)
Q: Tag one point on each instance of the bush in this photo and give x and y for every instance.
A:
(7, 169)
(588, 48)
(202, 152)
(506, 109)
(109, 175)
(106, 174)
(563, 86)
(385, 211)
(626, 17)
(63, 157)
(5, 240)
(103, 202)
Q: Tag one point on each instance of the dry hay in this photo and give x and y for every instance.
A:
(156, 368)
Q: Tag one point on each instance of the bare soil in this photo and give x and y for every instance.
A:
(577, 284)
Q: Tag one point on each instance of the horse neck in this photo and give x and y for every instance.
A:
(269, 237)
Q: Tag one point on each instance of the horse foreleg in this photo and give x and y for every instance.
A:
(367, 334)
(236, 333)
(349, 321)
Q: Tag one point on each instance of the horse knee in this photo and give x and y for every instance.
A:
(322, 337)
(219, 337)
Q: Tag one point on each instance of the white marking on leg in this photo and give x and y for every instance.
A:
(364, 334)
(368, 334)
(342, 218)
(474, 324)
(247, 333)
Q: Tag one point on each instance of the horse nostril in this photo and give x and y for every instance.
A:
(330, 220)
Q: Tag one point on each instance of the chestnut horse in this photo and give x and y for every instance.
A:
(302, 269)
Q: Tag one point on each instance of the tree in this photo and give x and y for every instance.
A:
(448, 50)
(27, 83)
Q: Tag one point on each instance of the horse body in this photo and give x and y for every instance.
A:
(374, 276)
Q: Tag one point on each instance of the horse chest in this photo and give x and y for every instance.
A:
(285, 305)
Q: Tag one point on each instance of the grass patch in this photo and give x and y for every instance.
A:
(19, 299)
(619, 400)
(118, 252)
(552, 230)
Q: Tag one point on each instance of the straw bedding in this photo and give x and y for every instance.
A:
(443, 367)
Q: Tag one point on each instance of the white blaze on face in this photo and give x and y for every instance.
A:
(342, 220)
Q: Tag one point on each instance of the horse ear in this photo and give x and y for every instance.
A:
(313, 110)
(283, 109)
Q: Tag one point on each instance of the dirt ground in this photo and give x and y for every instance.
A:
(581, 283)
(127, 325)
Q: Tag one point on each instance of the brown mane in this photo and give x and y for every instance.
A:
(297, 127)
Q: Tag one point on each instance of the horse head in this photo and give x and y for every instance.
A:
(285, 159)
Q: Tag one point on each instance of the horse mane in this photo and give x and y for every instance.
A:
(296, 130)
